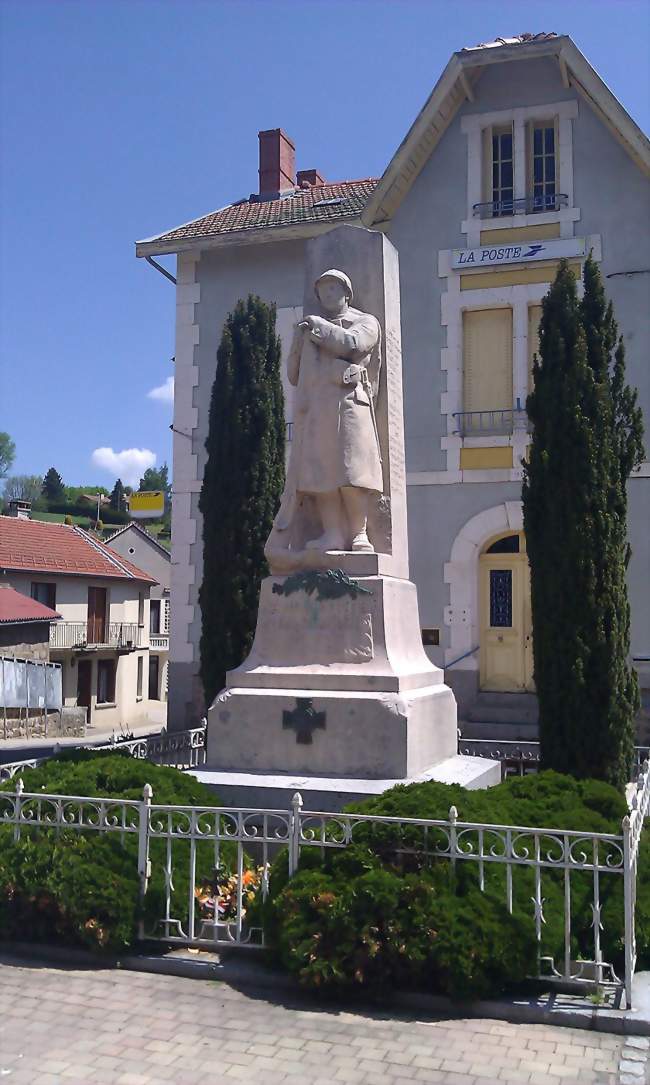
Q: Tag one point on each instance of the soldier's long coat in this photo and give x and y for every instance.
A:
(334, 439)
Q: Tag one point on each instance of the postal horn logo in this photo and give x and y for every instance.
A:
(532, 251)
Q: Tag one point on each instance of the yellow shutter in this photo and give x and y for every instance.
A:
(534, 317)
(487, 360)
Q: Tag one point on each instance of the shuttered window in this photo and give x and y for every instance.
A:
(534, 317)
(487, 368)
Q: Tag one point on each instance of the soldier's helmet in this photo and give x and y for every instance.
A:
(332, 273)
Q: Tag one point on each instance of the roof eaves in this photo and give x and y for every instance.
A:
(375, 210)
(252, 235)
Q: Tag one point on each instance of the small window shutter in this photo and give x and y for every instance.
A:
(487, 360)
(534, 317)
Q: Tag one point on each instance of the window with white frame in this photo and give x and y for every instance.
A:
(542, 164)
(499, 164)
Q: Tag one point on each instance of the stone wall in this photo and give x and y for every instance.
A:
(70, 723)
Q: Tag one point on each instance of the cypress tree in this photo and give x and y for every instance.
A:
(587, 438)
(117, 496)
(242, 486)
(53, 488)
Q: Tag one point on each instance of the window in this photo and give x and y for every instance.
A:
(500, 598)
(44, 593)
(154, 617)
(502, 172)
(138, 688)
(106, 681)
(542, 165)
(487, 371)
(140, 609)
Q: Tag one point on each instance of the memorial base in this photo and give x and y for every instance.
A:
(328, 793)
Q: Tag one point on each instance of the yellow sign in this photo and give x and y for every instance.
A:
(147, 504)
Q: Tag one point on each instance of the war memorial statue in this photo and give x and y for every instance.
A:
(337, 686)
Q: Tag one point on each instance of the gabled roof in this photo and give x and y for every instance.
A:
(34, 546)
(247, 220)
(457, 84)
(133, 526)
(15, 607)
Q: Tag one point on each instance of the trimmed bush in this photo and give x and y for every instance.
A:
(385, 911)
(82, 887)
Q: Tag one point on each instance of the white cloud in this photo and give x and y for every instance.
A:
(129, 464)
(164, 393)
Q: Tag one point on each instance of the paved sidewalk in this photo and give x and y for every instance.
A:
(74, 1027)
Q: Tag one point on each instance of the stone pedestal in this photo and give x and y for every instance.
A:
(354, 694)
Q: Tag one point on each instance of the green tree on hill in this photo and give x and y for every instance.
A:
(117, 496)
(53, 488)
(156, 478)
(7, 454)
(587, 438)
(242, 486)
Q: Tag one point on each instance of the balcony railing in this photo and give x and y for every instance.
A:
(483, 423)
(120, 635)
(526, 205)
(159, 641)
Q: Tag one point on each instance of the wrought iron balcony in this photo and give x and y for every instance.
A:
(499, 421)
(123, 636)
(526, 205)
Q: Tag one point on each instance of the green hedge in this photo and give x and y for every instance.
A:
(380, 913)
(107, 514)
(82, 887)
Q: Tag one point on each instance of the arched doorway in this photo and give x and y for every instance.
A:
(506, 640)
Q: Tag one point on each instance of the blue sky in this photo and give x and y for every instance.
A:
(120, 119)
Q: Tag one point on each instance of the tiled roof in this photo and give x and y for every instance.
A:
(518, 39)
(15, 607)
(318, 203)
(38, 547)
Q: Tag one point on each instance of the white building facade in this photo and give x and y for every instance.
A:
(521, 156)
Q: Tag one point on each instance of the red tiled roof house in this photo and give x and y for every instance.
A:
(102, 600)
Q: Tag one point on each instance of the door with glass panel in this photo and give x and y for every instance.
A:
(506, 656)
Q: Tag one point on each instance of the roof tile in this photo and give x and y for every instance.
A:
(15, 607)
(35, 546)
(319, 203)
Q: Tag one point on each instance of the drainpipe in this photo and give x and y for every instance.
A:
(161, 269)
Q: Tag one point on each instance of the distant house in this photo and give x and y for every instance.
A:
(136, 544)
(102, 641)
(25, 625)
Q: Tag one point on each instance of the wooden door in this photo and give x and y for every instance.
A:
(96, 631)
(506, 662)
(84, 682)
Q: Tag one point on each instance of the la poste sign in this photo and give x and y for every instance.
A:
(518, 252)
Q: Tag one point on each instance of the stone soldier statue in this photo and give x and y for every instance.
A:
(335, 460)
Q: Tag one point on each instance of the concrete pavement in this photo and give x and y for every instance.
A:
(105, 1027)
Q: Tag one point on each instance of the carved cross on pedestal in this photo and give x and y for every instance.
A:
(304, 719)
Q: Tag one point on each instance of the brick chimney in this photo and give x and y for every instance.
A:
(308, 178)
(277, 163)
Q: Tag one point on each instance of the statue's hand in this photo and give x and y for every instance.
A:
(314, 326)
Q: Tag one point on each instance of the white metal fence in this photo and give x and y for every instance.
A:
(180, 749)
(211, 863)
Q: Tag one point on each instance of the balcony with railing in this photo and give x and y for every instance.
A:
(88, 636)
(159, 642)
(526, 205)
(489, 423)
